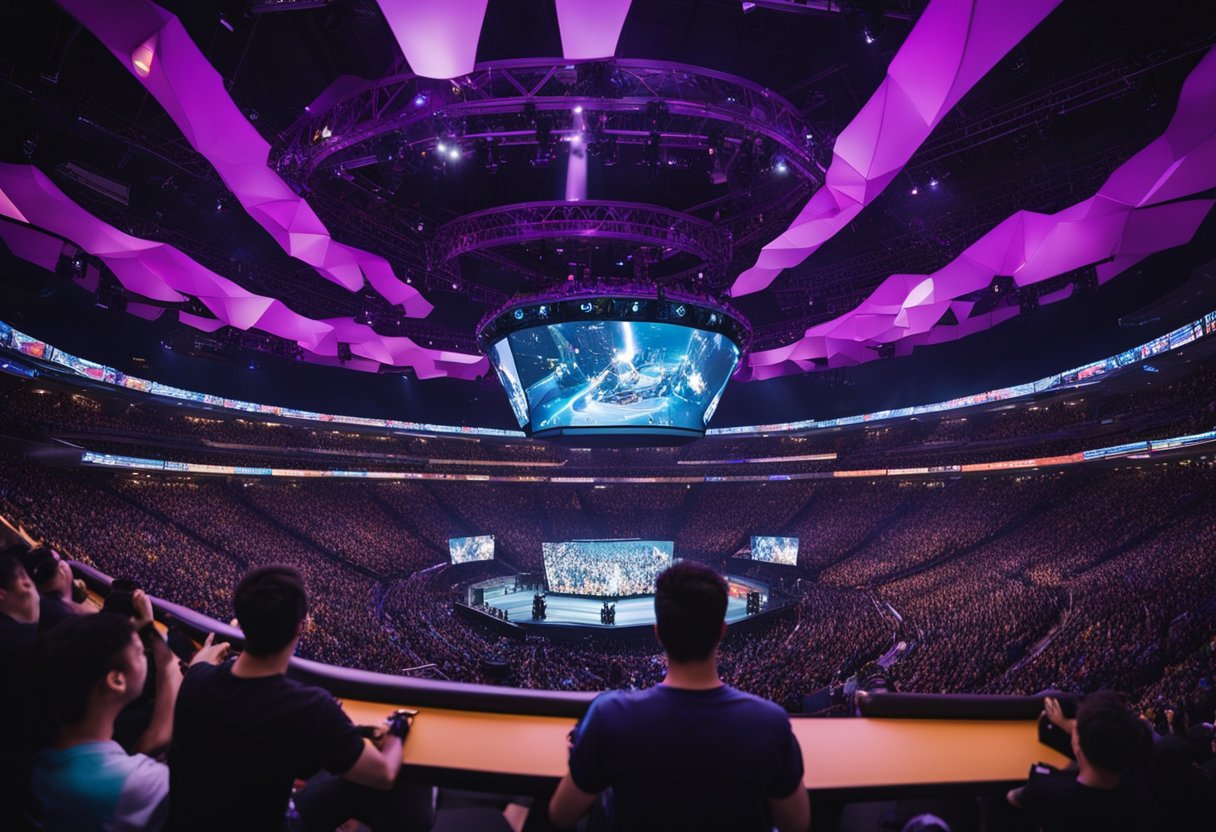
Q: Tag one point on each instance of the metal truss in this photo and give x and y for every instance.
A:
(645, 225)
(1111, 80)
(701, 106)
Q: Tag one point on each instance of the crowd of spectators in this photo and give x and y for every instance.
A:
(1009, 584)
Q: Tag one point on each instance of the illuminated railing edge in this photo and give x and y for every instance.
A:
(30, 347)
(1132, 450)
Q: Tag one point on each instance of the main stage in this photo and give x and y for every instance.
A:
(578, 611)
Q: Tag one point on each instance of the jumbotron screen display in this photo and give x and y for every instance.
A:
(782, 550)
(634, 376)
(609, 568)
(470, 549)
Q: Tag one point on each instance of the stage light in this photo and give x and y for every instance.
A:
(441, 147)
(142, 57)
(576, 139)
(585, 306)
(326, 132)
(915, 190)
(748, 8)
(420, 100)
(519, 314)
(578, 109)
(455, 154)
(867, 35)
(635, 306)
(933, 183)
(680, 310)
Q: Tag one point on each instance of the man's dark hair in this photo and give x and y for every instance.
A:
(270, 603)
(689, 608)
(1110, 735)
(10, 559)
(74, 656)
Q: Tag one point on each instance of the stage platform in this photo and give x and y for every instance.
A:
(568, 610)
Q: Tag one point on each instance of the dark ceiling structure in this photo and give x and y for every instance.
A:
(672, 163)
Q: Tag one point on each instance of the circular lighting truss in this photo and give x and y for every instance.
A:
(537, 100)
(671, 232)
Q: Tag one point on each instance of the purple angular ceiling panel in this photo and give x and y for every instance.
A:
(205, 324)
(162, 272)
(154, 46)
(952, 46)
(438, 37)
(590, 28)
(1147, 205)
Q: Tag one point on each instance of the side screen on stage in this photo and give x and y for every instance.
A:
(782, 550)
(470, 549)
(614, 376)
(610, 568)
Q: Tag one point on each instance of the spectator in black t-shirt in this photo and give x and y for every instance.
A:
(1106, 739)
(243, 731)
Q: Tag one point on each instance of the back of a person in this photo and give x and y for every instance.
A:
(690, 759)
(239, 744)
(1070, 806)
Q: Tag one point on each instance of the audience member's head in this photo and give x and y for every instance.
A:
(88, 664)
(18, 593)
(1108, 735)
(689, 608)
(50, 573)
(926, 823)
(271, 605)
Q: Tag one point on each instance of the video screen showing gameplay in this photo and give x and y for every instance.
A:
(604, 374)
(782, 550)
(471, 549)
(607, 568)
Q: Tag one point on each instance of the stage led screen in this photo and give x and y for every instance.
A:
(775, 550)
(634, 375)
(470, 549)
(610, 568)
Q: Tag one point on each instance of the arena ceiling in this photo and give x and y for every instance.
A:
(360, 242)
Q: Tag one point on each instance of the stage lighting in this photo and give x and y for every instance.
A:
(420, 100)
(915, 190)
(454, 155)
(576, 139)
(441, 148)
(748, 8)
(867, 35)
(578, 109)
(933, 183)
(519, 314)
